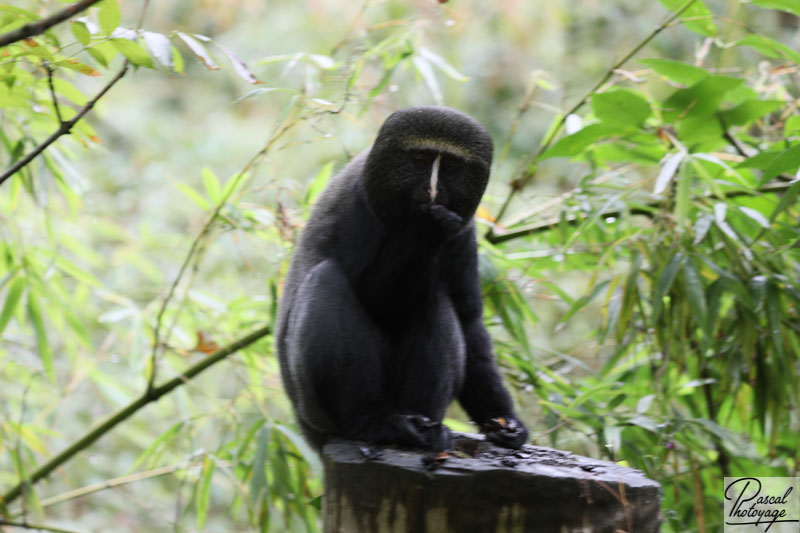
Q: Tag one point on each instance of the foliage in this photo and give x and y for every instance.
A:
(640, 267)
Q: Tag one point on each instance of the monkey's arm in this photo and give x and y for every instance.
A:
(483, 394)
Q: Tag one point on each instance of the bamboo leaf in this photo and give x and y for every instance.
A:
(790, 6)
(696, 292)
(12, 299)
(665, 281)
(211, 184)
(133, 51)
(258, 481)
(676, 70)
(319, 183)
(667, 172)
(238, 65)
(203, 494)
(621, 105)
(160, 47)
(302, 446)
(198, 50)
(424, 69)
(108, 16)
(45, 352)
(697, 17)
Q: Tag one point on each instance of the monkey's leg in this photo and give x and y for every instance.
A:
(337, 359)
(430, 367)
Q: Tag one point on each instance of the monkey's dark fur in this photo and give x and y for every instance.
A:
(380, 326)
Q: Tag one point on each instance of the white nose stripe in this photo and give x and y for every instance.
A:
(435, 177)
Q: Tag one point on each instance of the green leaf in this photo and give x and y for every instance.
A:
(108, 16)
(211, 184)
(697, 17)
(134, 52)
(769, 47)
(622, 105)
(790, 6)
(576, 143)
(786, 161)
(792, 126)
(80, 32)
(305, 450)
(12, 299)
(162, 440)
(755, 215)
(774, 313)
(760, 161)
(665, 281)
(319, 182)
(177, 60)
(676, 70)
(787, 199)
(203, 494)
(696, 293)
(45, 352)
(258, 481)
(749, 111)
(702, 98)
(201, 202)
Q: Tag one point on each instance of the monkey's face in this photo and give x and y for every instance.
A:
(424, 157)
(443, 178)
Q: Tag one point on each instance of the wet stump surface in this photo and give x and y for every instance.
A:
(482, 488)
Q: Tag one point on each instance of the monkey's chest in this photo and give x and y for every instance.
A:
(398, 288)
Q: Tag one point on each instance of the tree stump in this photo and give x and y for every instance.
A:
(482, 488)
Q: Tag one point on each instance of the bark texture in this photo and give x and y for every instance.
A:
(483, 488)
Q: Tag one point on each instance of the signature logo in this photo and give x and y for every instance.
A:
(758, 504)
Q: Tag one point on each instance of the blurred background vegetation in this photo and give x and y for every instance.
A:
(639, 238)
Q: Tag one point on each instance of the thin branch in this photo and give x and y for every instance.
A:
(109, 484)
(42, 25)
(123, 414)
(49, 70)
(193, 248)
(646, 210)
(63, 129)
(524, 178)
(35, 527)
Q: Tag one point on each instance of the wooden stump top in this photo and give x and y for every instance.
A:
(481, 487)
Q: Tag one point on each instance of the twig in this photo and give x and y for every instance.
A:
(36, 527)
(42, 25)
(520, 182)
(123, 414)
(63, 129)
(646, 210)
(109, 484)
(193, 248)
(49, 70)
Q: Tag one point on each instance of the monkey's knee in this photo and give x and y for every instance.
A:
(334, 352)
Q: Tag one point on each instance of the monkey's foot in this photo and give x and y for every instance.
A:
(505, 431)
(410, 430)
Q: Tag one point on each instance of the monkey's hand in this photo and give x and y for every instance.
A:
(420, 431)
(449, 221)
(506, 431)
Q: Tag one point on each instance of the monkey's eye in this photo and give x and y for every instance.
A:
(451, 165)
(421, 160)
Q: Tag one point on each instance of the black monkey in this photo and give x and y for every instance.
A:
(380, 325)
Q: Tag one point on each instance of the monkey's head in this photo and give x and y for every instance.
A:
(423, 157)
